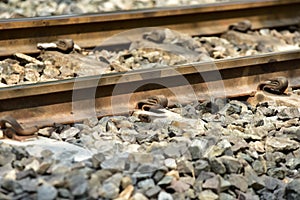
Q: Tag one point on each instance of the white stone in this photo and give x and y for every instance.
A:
(170, 163)
(164, 196)
(35, 147)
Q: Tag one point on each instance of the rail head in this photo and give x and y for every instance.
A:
(32, 22)
(144, 74)
(70, 101)
(90, 30)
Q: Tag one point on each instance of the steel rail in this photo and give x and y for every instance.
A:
(68, 101)
(22, 35)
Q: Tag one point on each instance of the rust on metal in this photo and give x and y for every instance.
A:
(277, 85)
(154, 102)
(90, 30)
(275, 90)
(242, 26)
(44, 104)
(290, 100)
(65, 44)
(13, 130)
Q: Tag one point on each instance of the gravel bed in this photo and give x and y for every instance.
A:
(37, 8)
(210, 150)
(150, 49)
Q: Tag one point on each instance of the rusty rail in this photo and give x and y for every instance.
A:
(22, 35)
(68, 101)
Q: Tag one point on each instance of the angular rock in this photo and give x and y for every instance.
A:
(239, 144)
(115, 179)
(230, 109)
(201, 165)
(91, 122)
(213, 183)
(172, 151)
(188, 180)
(247, 196)
(292, 190)
(198, 148)
(165, 181)
(109, 191)
(153, 192)
(224, 184)
(205, 175)
(102, 175)
(146, 184)
(26, 173)
(69, 133)
(245, 157)
(239, 182)
(293, 163)
(114, 163)
(126, 181)
(6, 157)
(257, 146)
(97, 159)
(64, 193)
(57, 180)
(254, 181)
(265, 194)
(138, 196)
(288, 113)
(281, 144)
(217, 166)
(225, 196)
(290, 132)
(185, 166)
(126, 193)
(46, 192)
(179, 186)
(259, 167)
(44, 166)
(45, 131)
(170, 163)
(271, 183)
(78, 185)
(142, 157)
(208, 195)
(12, 186)
(277, 157)
(159, 174)
(164, 196)
(147, 168)
(29, 185)
(278, 172)
(232, 165)
(33, 164)
(219, 149)
(280, 192)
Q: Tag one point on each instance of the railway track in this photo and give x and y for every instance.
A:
(102, 144)
(43, 104)
(68, 101)
(88, 30)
